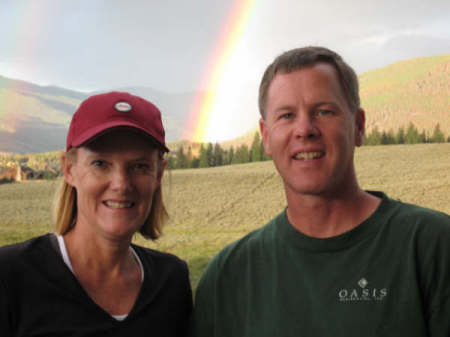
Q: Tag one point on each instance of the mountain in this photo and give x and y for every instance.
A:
(175, 108)
(35, 118)
(415, 90)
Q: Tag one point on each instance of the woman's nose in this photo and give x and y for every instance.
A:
(121, 180)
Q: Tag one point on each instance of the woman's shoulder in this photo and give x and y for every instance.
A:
(156, 257)
(17, 257)
(16, 250)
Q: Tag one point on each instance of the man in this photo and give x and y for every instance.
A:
(338, 261)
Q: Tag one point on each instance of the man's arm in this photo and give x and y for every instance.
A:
(202, 320)
(437, 262)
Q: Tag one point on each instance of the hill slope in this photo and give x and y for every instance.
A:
(416, 90)
(35, 118)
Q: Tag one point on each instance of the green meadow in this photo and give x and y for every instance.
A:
(212, 207)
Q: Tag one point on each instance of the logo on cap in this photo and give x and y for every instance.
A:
(122, 106)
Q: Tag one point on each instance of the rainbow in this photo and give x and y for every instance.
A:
(10, 95)
(204, 109)
(9, 118)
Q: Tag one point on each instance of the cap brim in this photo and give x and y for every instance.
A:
(97, 131)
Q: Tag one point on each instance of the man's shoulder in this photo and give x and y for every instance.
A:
(419, 215)
(406, 220)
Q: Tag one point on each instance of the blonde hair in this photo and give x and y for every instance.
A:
(65, 206)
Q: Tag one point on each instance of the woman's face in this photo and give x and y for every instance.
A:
(115, 177)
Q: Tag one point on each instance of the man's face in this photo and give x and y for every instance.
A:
(310, 132)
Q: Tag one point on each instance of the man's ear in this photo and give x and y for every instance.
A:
(265, 136)
(360, 126)
(66, 167)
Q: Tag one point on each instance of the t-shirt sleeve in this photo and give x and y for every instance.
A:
(439, 263)
(439, 323)
(202, 320)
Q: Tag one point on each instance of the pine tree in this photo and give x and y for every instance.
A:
(210, 155)
(400, 137)
(181, 161)
(384, 138)
(189, 158)
(171, 162)
(391, 137)
(374, 138)
(195, 162)
(255, 150)
(203, 158)
(230, 156)
(241, 155)
(437, 136)
(412, 135)
(423, 137)
(218, 155)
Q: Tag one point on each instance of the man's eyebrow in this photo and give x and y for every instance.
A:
(319, 104)
(284, 108)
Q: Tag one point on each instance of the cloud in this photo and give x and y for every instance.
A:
(167, 44)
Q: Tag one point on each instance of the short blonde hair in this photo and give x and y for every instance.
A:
(65, 207)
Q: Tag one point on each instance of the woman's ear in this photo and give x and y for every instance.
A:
(162, 167)
(66, 166)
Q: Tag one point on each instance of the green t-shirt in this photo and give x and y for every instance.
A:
(389, 276)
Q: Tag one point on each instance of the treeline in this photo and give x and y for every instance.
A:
(211, 155)
(409, 136)
(20, 167)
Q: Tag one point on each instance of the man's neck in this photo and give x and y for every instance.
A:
(324, 217)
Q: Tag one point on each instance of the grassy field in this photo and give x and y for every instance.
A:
(212, 207)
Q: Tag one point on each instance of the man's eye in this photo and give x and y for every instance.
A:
(324, 112)
(287, 115)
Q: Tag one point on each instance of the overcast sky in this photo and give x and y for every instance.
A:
(167, 44)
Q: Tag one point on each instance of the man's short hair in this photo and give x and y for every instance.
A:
(305, 57)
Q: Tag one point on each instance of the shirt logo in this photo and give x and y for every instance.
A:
(364, 292)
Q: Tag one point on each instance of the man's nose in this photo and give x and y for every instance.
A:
(305, 126)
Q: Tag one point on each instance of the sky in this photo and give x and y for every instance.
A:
(218, 46)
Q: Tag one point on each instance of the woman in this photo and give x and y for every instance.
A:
(89, 279)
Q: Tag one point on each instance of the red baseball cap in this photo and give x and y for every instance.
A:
(102, 112)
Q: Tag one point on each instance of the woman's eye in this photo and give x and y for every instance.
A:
(141, 166)
(98, 163)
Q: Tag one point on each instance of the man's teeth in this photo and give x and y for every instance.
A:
(308, 155)
(118, 204)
